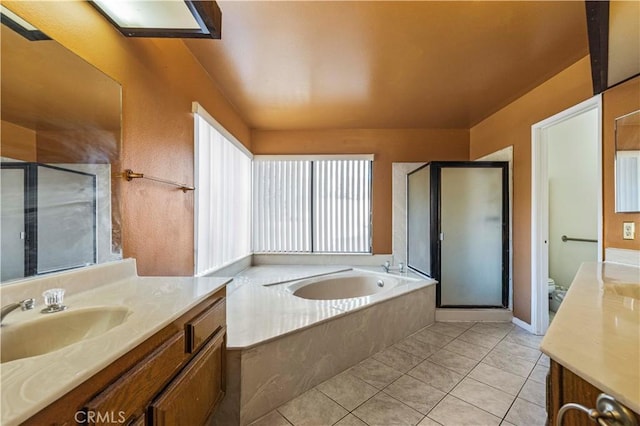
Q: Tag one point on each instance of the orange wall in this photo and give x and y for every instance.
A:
(387, 146)
(17, 142)
(616, 102)
(159, 78)
(512, 126)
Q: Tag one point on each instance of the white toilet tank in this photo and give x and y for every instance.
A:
(552, 285)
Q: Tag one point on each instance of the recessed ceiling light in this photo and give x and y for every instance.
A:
(168, 18)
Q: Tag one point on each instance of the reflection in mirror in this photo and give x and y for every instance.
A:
(60, 138)
(628, 163)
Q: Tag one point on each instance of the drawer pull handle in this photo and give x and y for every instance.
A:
(608, 412)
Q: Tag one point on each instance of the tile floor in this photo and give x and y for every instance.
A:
(445, 374)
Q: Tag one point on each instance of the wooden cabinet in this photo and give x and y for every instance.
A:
(190, 397)
(176, 377)
(563, 386)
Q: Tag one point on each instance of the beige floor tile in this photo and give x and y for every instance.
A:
(463, 324)
(506, 423)
(492, 329)
(447, 328)
(524, 413)
(458, 363)
(416, 347)
(272, 419)
(514, 349)
(350, 420)
(544, 360)
(433, 338)
(535, 392)
(395, 358)
(480, 339)
(347, 390)
(499, 379)
(470, 350)
(375, 373)
(428, 422)
(312, 408)
(414, 393)
(483, 396)
(539, 373)
(383, 410)
(511, 364)
(435, 375)
(525, 339)
(455, 412)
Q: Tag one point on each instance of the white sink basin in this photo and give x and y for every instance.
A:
(51, 332)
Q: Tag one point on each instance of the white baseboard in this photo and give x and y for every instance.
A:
(623, 256)
(523, 325)
(482, 315)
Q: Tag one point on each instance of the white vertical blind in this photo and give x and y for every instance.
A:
(342, 204)
(311, 205)
(282, 203)
(222, 199)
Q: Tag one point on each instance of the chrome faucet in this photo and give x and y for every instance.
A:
(386, 266)
(25, 305)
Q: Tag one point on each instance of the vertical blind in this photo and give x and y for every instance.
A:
(312, 206)
(282, 196)
(223, 199)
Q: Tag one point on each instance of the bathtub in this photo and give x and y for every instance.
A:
(289, 334)
(345, 285)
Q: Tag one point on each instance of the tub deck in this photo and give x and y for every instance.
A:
(260, 309)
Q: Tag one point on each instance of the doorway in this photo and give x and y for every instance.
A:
(566, 204)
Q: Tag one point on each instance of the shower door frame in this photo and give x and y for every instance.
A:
(435, 243)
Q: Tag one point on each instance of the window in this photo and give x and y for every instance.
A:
(304, 205)
(222, 196)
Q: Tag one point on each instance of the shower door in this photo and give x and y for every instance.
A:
(473, 220)
(468, 231)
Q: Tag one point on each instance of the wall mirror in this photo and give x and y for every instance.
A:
(60, 139)
(627, 165)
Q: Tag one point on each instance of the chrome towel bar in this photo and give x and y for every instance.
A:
(584, 240)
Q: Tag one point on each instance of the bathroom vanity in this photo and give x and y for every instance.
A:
(164, 362)
(594, 343)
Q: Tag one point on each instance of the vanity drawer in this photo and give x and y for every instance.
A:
(206, 325)
(132, 392)
(193, 395)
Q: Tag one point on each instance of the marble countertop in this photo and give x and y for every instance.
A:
(260, 308)
(596, 332)
(31, 384)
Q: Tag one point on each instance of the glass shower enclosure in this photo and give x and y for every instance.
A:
(458, 231)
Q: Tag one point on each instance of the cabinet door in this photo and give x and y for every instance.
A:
(130, 394)
(191, 397)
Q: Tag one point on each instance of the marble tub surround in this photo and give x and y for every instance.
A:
(279, 345)
(30, 384)
(260, 309)
(417, 388)
(595, 333)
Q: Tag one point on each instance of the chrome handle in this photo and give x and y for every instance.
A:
(608, 412)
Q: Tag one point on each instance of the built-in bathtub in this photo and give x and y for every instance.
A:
(286, 337)
(345, 285)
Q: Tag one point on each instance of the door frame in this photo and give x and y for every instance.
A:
(540, 207)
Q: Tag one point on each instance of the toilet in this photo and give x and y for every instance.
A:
(556, 299)
(556, 295)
